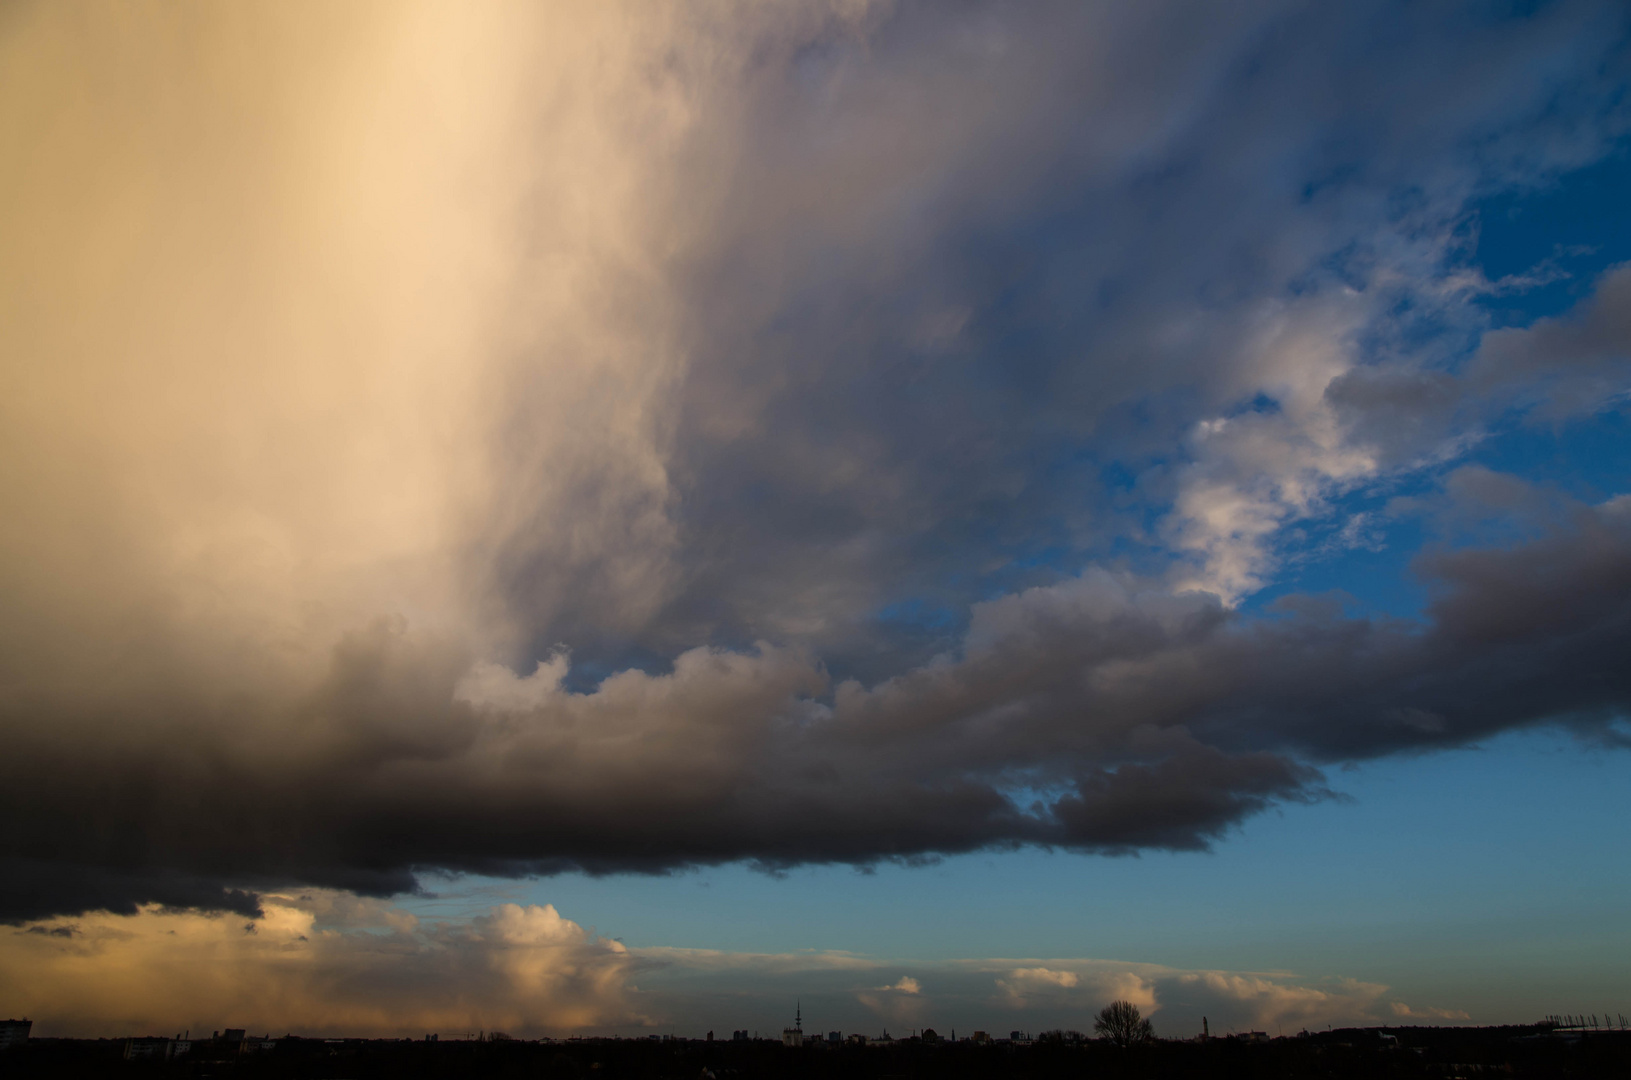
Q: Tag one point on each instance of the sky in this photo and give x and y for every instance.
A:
(627, 518)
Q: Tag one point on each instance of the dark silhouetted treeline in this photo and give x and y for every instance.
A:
(1436, 1053)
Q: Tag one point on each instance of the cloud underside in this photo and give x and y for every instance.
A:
(506, 441)
(328, 964)
(1085, 715)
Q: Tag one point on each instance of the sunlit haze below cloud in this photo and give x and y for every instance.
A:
(516, 513)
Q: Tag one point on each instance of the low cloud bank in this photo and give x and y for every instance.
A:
(326, 963)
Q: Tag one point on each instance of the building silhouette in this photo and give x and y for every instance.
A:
(794, 1036)
(14, 1032)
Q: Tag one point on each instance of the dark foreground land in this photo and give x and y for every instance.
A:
(1437, 1053)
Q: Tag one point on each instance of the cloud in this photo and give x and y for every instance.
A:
(1563, 367)
(511, 441)
(1271, 1003)
(1153, 721)
(372, 969)
(1400, 1009)
(1022, 983)
(327, 962)
(900, 1002)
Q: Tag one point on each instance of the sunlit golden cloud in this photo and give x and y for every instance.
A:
(367, 969)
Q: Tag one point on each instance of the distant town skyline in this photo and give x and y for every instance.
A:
(630, 519)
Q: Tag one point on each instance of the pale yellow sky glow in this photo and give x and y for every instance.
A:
(277, 278)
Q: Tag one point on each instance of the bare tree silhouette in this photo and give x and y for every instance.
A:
(1123, 1024)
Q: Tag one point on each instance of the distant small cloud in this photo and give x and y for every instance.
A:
(900, 1002)
(1400, 1009)
(1283, 1001)
(1023, 983)
(54, 931)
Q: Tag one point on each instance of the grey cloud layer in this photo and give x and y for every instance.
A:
(1028, 249)
(707, 346)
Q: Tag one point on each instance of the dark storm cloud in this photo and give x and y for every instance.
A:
(817, 353)
(31, 888)
(1087, 715)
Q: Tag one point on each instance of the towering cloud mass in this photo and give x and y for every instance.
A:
(508, 440)
(321, 963)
